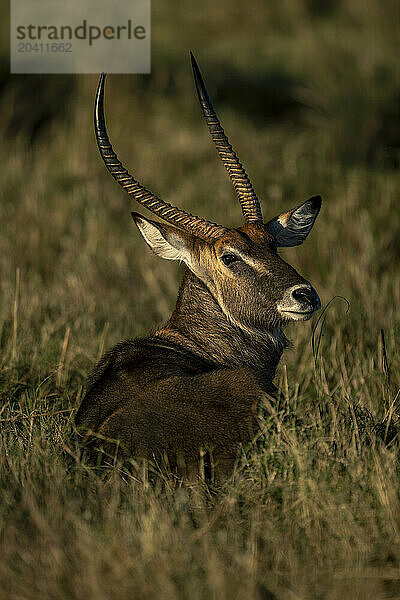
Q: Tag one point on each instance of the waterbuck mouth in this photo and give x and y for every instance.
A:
(295, 315)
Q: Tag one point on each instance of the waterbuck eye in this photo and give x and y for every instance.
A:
(228, 259)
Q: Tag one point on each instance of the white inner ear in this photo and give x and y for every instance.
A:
(173, 249)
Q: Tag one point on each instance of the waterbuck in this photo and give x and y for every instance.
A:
(195, 383)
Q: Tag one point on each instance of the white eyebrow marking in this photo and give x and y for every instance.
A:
(247, 259)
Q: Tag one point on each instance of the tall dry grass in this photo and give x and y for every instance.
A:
(307, 92)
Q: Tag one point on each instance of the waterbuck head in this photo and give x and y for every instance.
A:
(254, 287)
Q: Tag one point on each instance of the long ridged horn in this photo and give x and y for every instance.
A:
(247, 197)
(206, 230)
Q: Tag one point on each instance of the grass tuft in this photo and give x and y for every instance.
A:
(307, 92)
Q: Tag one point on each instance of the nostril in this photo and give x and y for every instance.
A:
(307, 295)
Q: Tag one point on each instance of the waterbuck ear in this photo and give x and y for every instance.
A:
(292, 228)
(165, 240)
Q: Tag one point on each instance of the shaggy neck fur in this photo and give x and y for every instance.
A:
(199, 324)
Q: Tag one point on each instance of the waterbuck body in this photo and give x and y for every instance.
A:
(195, 383)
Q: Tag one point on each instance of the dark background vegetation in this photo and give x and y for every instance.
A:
(308, 92)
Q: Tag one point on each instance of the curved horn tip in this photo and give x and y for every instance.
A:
(192, 58)
(101, 83)
(195, 66)
(100, 89)
(98, 105)
(102, 79)
(199, 83)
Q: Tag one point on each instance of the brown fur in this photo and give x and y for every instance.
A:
(196, 381)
